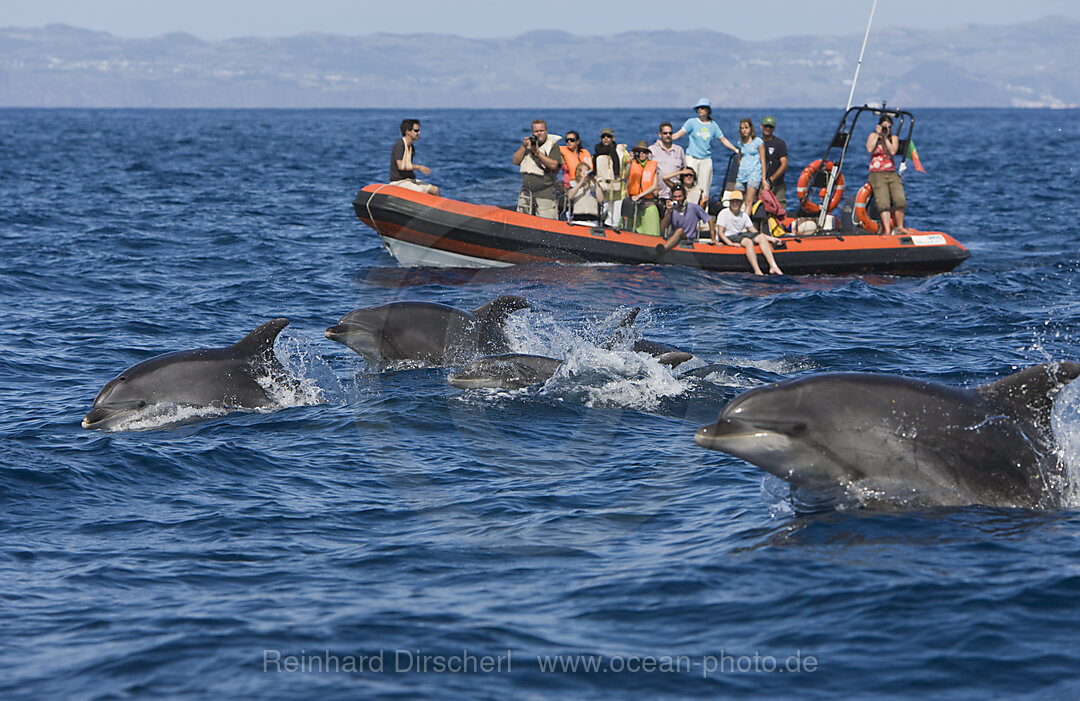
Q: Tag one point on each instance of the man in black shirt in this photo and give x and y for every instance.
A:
(402, 166)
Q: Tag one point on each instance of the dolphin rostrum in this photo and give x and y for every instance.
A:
(425, 332)
(891, 440)
(204, 377)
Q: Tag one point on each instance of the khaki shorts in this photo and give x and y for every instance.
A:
(417, 185)
(888, 191)
(541, 204)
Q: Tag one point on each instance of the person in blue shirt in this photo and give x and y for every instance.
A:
(683, 217)
(702, 130)
(751, 162)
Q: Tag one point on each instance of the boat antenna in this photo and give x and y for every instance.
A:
(858, 65)
(835, 172)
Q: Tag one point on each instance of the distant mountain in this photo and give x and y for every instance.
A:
(1027, 65)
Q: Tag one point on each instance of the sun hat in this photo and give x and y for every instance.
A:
(703, 102)
(641, 146)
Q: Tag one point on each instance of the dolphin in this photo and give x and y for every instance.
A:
(885, 440)
(204, 377)
(664, 353)
(517, 370)
(425, 332)
(507, 371)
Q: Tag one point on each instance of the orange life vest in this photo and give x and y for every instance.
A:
(641, 178)
(571, 160)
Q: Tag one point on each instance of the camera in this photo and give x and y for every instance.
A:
(534, 140)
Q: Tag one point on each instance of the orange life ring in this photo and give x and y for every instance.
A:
(862, 198)
(807, 176)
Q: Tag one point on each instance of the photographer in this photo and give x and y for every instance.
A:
(884, 180)
(540, 160)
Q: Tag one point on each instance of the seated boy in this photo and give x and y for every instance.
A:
(733, 223)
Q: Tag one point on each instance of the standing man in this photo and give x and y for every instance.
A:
(608, 163)
(540, 161)
(776, 160)
(670, 161)
(402, 165)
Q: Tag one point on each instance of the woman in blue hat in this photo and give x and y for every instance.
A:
(702, 130)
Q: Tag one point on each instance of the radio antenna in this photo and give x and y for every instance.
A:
(861, 52)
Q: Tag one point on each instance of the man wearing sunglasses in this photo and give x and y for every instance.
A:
(670, 161)
(402, 166)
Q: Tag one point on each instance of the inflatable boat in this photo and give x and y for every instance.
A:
(424, 230)
(419, 229)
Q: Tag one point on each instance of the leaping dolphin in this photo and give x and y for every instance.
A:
(204, 377)
(425, 332)
(897, 441)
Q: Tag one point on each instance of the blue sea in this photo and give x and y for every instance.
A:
(382, 534)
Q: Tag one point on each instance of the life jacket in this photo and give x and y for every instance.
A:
(771, 225)
(641, 178)
(769, 201)
(570, 161)
(529, 164)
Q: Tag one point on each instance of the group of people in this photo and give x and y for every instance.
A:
(659, 188)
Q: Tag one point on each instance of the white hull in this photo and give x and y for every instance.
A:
(410, 255)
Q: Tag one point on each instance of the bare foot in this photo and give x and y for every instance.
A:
(776, 271)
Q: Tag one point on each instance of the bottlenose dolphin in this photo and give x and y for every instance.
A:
(890, 440)
(517, 370)
(204, 377)
(665, 354)
(507, 371)
(425, 332)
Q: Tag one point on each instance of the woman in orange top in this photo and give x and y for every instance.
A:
(642, 184)
(572, 155)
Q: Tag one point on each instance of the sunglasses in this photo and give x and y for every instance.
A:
(606, 136)
(570, 139)
(767, 126)
(665, 133)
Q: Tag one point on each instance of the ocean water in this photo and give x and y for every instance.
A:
(384, 534)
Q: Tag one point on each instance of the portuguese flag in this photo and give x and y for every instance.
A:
(914, 156)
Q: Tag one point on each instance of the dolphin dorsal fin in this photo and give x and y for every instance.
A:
(620, 331)
(496, 311)
(1033, 388)
(260, 342)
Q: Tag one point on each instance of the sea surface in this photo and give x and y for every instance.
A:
(384, 534)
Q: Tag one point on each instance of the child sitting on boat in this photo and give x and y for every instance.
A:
(733, 223)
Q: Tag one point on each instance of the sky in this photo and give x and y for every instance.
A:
(222, 19)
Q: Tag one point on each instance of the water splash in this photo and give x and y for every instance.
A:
(1065, 422)
(311, 379)
(591, 373)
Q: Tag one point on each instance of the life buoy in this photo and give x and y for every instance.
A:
(862, 217)
(807, 177)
